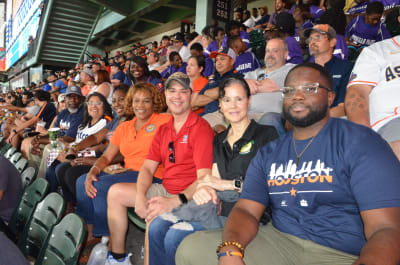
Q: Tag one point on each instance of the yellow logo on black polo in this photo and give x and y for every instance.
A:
(246, 148)
(150, 128)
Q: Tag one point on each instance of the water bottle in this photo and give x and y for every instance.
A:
(99, 253)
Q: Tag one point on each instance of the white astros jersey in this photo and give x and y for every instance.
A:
(379, 66)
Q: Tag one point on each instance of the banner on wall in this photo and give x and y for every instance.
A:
(36, 74)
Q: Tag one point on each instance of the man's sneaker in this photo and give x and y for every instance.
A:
(111, 261)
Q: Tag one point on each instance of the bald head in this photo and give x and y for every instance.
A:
(276, 53)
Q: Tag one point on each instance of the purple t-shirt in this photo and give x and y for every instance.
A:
(341, 51)
(361, 33)
(245, 38)
(295, 52)
(212, 47)
(171, 69)
(361, 8)
(246, 62)
(306, 25)
(314, 10)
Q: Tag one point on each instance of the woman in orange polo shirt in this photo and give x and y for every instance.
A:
(132, 139)
(194, 70)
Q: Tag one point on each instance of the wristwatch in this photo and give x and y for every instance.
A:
(182, 198)
(238, 183)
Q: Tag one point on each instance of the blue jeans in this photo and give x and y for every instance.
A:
(94, 211)
(165, 233)
(51, 174)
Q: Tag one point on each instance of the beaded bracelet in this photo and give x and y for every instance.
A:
(231, 243)
(230, 253)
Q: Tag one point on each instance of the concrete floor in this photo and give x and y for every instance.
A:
(134, 243)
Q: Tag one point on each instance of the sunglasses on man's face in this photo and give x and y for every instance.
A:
(171, 156)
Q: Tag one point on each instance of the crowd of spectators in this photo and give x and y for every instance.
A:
(171, 130)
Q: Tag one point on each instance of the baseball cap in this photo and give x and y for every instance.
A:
(115, 64)
(179, 37)
(285, 23)
(179, 77)
(323, 29)
(61, 98)
(89, 72)
(119, 75)
(225, 51)
(73, 90)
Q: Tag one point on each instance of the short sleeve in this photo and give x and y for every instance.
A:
(255, 183)
(154, 152)
(367, 69)
(203, 147)
(349, 28)
(374, 178)
(385, 33)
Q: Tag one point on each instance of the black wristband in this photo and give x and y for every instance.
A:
(183, 198)
(15, 131)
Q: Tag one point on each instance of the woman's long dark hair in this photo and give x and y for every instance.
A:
(107, 110)
(142, 63)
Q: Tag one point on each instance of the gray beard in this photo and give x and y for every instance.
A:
(72, 111)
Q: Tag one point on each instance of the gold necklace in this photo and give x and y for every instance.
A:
(305, 148)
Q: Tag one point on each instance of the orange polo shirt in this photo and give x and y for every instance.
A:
(133, 146)
(198, 85)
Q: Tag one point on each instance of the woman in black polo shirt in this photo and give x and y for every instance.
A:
(233, 151)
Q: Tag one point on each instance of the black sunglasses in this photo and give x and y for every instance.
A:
(171, 156)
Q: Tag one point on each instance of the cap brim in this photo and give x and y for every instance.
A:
(308, 32)
(214, 54)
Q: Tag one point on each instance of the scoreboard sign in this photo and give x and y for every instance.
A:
(222, 10)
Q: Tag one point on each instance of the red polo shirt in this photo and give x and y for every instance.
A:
(193, 148)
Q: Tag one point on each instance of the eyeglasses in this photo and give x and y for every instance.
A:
(171, 156)
(94, 103)
(306, 89)
(316, 38)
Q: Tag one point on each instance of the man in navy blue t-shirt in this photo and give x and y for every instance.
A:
(332, 186)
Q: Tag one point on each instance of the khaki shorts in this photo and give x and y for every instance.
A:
(269, 247)
(157, 190)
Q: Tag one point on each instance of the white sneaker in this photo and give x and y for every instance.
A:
(111, 261)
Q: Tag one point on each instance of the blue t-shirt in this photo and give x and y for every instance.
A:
(213, 105)
(209, 67)
(47, 87)
(246, 62)
(47, 113)
(68, 123)
(111, 126)
(61, 85)
(347, 168)
(361, 33)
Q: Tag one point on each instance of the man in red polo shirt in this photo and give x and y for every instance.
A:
(184, 147)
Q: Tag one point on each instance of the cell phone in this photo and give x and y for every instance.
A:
(31, 134)
(70, 157)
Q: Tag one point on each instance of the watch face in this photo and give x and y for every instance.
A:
(238, 184)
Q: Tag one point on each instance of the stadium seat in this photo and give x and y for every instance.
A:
(134, 218)
(32, 195)
(47, 213)
(15, 157)
(21, 164)
(10, 151)
(28, 176)
(64, 243)
(5, 148)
